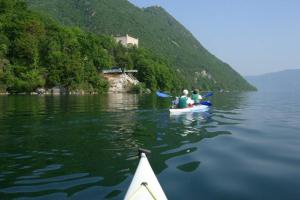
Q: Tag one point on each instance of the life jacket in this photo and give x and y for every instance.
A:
(195, 97)
(183, 102)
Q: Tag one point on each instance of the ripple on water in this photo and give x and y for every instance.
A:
(32, 180)
(61, 185)
(189, 167)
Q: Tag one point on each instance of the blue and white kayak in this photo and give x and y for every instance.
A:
(144, 185)
(196, 108)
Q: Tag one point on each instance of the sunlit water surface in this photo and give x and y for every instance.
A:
(85, 147)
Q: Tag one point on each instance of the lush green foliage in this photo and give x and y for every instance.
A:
(153, 71)
(37, 52)
(156, 30)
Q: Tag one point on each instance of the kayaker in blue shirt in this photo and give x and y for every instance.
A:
(184, 100)
(196, 97)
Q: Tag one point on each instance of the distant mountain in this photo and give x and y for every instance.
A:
(287, 80)
(156, 30)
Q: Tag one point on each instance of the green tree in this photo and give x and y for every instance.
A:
(19, 79)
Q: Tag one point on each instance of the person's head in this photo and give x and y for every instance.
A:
(196, 91)
(185, 92)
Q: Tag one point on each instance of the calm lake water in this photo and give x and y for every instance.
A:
(85, 147)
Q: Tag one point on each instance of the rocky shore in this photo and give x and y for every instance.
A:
(118, 83)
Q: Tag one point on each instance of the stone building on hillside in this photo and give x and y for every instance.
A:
(127, 41)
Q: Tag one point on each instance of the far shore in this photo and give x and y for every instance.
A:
(61, 94)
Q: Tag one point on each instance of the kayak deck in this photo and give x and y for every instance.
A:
(144, 184)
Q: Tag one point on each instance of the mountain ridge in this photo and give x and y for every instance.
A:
(156, 30)
(284, 80)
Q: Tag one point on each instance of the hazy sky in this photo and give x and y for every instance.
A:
(253, 36)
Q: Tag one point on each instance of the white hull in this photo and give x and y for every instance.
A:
(144, 185)
(197, 108)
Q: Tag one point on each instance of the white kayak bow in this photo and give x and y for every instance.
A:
(144, 185)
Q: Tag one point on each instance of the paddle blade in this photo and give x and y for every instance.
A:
(163, 95)
(208, 94)
(207, 103)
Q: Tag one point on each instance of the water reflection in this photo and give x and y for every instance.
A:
(192, 118)
(86, 146)
(230, 101)
(121, 102)
(189, 167)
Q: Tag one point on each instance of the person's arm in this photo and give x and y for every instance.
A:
(200, 97)
(190, 101)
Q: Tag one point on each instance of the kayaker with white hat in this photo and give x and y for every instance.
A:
(184, 100)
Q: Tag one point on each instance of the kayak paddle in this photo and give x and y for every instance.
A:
(207, 103)
(208, 94)
(163, 95)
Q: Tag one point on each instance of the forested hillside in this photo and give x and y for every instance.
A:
(36, 51)
(156, 29)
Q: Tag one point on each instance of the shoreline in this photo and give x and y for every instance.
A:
(66, 94)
